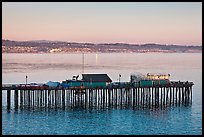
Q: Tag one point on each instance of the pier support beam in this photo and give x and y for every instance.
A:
(170, 96)
(33, 99)
(16, 99)
(109, 95)
(116, 97)
(8, 100)
(21, 98)
(173, 96)
(191, 94)
(179, 96)
(63, 99)
(28, 98)
(133, 98)
(55, 91)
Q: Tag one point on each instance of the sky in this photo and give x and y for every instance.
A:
(104, 22)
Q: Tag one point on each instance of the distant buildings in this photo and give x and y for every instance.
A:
(55, 50)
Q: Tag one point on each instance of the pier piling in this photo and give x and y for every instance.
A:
(16, 99)
(8, 99)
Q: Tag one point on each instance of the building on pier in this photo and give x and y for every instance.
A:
(158, 76)
(96, 79)
(90, 81)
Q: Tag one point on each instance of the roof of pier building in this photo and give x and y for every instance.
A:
(96, 78)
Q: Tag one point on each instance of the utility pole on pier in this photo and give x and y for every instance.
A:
(83, 63)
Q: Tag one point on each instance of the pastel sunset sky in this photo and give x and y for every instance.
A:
(126, 22)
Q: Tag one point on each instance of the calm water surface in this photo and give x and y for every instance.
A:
(57, 67)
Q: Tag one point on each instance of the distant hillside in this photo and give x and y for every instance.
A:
(45, 46)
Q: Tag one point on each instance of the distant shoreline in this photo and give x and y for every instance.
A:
(69, 47)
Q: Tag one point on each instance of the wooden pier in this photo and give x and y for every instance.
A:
(177, 94)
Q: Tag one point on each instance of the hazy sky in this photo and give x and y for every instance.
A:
(131, 22)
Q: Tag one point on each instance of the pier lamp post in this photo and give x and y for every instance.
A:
(26, 79)
(119, 78)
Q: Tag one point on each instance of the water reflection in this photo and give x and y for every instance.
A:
(96, 59)
(99, 121)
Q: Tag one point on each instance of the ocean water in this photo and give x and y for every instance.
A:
(41, 68)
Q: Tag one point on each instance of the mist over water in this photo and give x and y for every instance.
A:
(42, 68)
